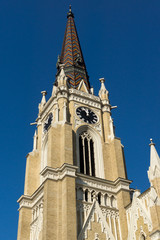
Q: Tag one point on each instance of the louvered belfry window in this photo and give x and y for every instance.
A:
(86, 154)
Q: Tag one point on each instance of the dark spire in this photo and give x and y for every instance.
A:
(71, 55)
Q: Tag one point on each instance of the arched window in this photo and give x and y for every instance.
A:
(80, 194)
(92, 195)
(89, 152)
(99, 198)
(86, 195)
(86, 154)
(142, 237)
(113, 202)
(105, 199)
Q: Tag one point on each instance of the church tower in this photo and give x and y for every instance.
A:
(76, 185)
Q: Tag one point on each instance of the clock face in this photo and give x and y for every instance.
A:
(87, 115)
(48, 122)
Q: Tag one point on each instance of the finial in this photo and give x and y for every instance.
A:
(58, 62)
(151, 143)
(102, 80)
(44, 93)
(70, 14)
(43, 101)
(103, 93)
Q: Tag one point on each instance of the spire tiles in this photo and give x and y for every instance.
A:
(71, 55)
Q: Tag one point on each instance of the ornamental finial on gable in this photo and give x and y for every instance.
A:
(43, 101)
(103, 93)
(62, 78)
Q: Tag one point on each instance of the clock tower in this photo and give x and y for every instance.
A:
(76, 186)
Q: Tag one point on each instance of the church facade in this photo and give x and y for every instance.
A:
(76, 184)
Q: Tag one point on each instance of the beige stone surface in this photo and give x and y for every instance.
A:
(59, 210)
(59, 197)
(32, 179)
(155, 215)
(123, 199)
(95, 228)
(25, 217)
(141, 224)
(50, 218)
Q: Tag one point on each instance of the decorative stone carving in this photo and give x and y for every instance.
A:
(95, 209)
(29, 202)
(154, 199)
(96, 236)
(111, 135)
(103, 93)
(62, 79)
(137, 209)
(55, 90)
(103, 186)
(85, 98)
(82, 86)
(36, 225)
(43, 101)
(35, 139)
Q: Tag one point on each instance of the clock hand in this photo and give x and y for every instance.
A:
(87, 112)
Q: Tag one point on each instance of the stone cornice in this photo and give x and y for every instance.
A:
(102, 184)
(59, 173)
(48, 173)
(30, 201)
(84, 98)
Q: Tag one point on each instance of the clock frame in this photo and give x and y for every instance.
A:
(87, 115)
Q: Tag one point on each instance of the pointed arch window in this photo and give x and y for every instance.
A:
(86, 154)
(142, 237)
(99, 198)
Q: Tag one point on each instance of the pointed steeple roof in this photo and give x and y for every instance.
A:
(154, 158)
(154, 169)
(71, 55)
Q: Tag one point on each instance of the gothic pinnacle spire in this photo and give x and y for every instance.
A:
(154, 169)
(71, 55)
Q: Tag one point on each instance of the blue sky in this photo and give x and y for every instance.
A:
(120, 42)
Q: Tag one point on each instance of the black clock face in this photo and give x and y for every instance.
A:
(87, 115)
(48, 122)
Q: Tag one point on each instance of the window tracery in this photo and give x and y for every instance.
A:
(86, 154)
(89, 152)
